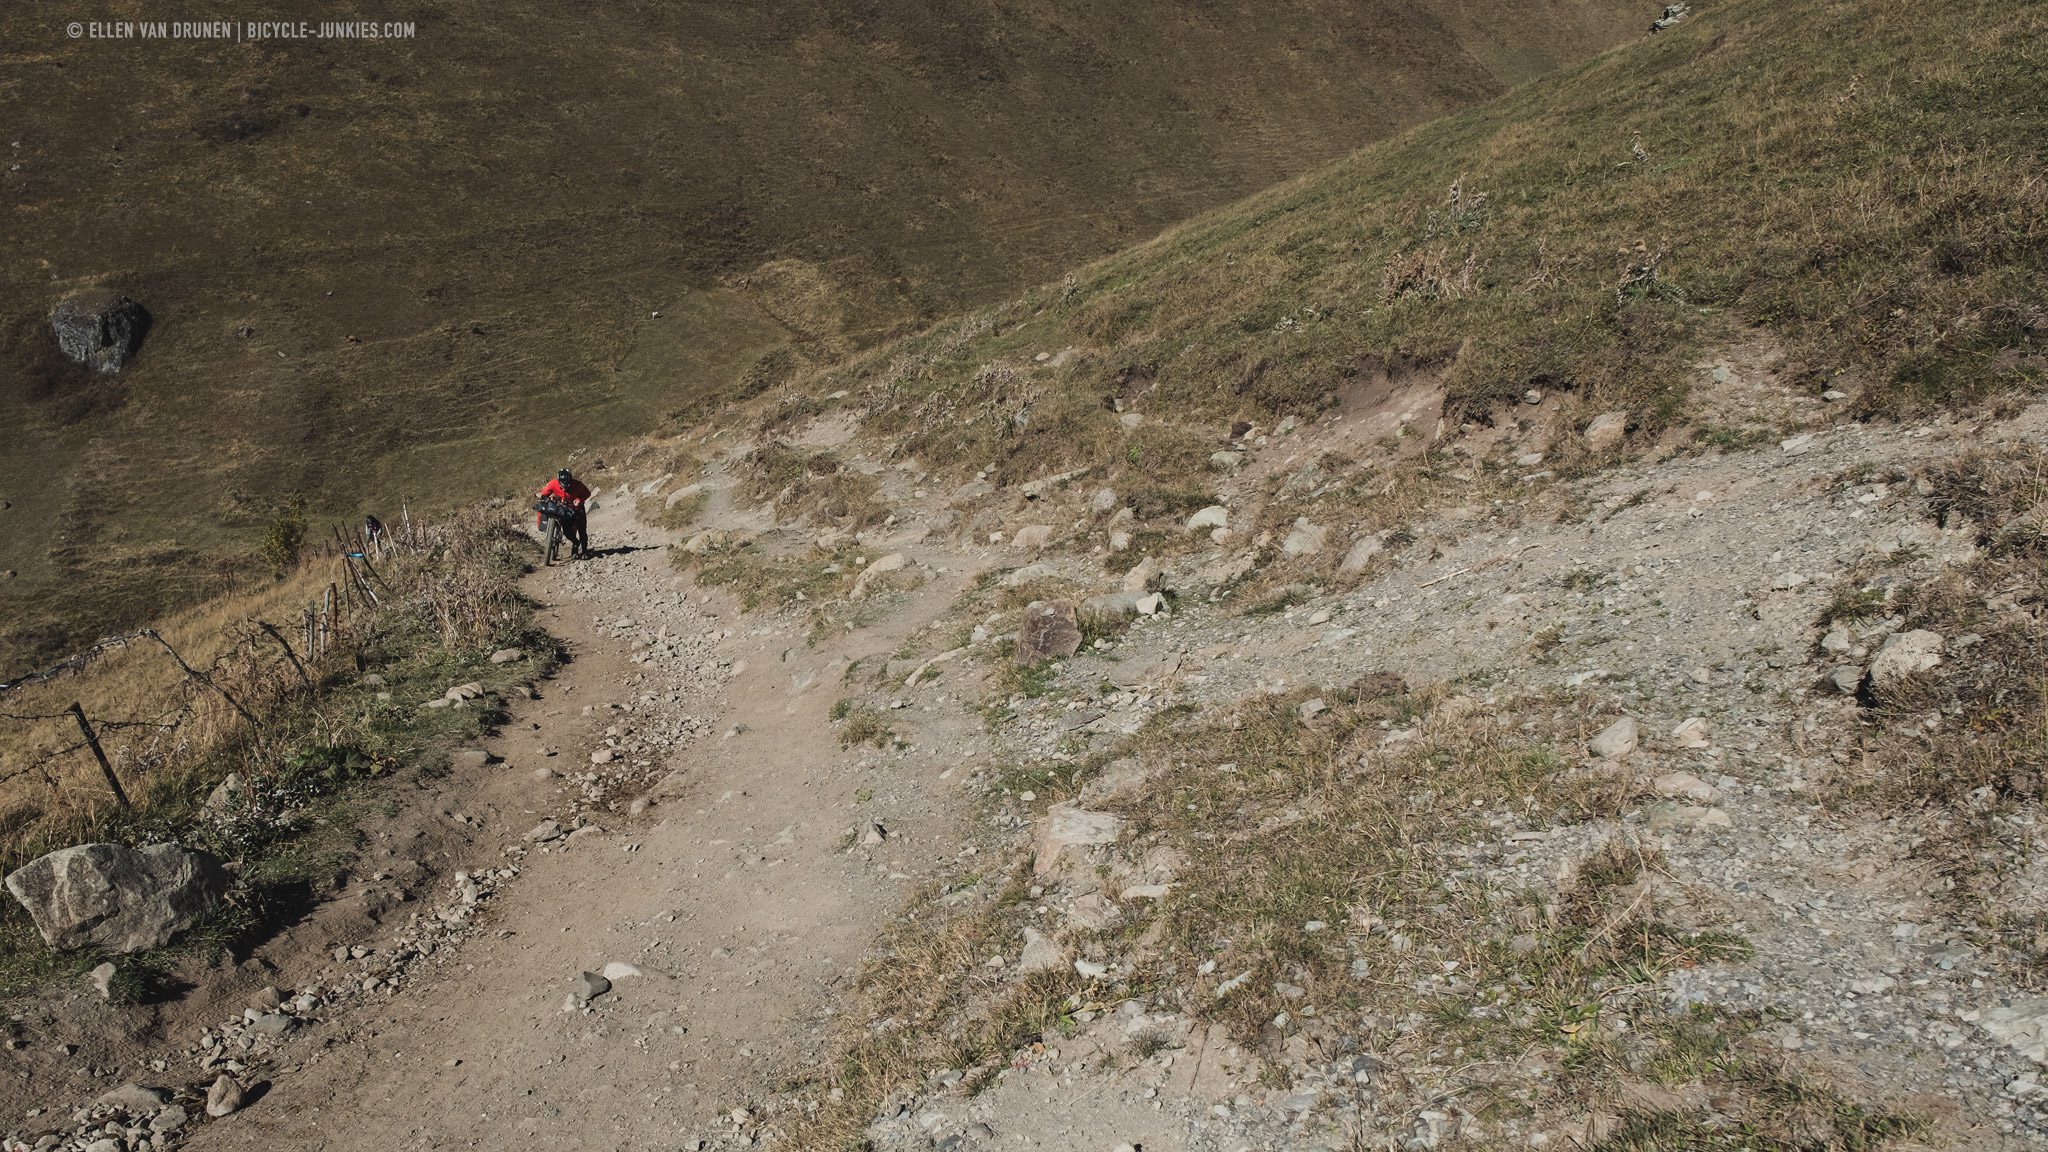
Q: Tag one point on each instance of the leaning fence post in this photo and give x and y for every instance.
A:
(93, 742)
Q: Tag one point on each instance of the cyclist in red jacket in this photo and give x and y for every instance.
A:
(568, 490)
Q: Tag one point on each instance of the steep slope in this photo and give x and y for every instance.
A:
(408, 268)
(1864, 213)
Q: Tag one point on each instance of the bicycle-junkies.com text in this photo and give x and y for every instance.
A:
(239, 31)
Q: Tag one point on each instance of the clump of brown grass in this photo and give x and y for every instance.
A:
(815, 484)
(1967, 742)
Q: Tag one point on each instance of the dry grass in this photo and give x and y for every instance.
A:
(1876, 206)
(449, 599)
(815, 485)
(468, 306)
(1966, 744)
(1330, 882)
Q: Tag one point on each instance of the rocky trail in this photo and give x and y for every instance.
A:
(672, 867)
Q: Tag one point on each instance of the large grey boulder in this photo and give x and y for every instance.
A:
(99, 329)
(115, 898)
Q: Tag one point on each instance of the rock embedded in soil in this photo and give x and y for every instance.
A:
(115, 898)
(133, 1098)
(589, 986)
(100, 330)
(1041, 953)
(1051, 630)
(1606, 431)
(1067, 828)
(1614, 741)
(1905, 654)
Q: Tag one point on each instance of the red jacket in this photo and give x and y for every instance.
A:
(574, 495)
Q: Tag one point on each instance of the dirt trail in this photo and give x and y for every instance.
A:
(734, 895)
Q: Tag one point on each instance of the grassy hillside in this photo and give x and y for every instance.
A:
(1859, 188)
(413, 269)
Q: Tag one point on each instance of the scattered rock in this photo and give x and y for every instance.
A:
(1032, 537)
(1669, 814)
(1090, 970)
(603, 756)
(224, 796)
(1606, 431)
(1614, 741)
(882, 566)
(1111, 607)
(1068, 827)
(2022, 1025)
(1051, 630)
(117, 899)
(544, 831)
(589, 986)
(103, 980)
(1786, 581)
(1306, 539)
(170, 1119)
(1684, 786)
(873, 835)
(1691, 733)
(133, 1098)
(1905, 654)
(618, 970)
(1041, 953)
(1146, 576)
(1104, 502)
(1214, 516)
(223, 1098)
(507, 655)
(1845, 678)
(1361, 554)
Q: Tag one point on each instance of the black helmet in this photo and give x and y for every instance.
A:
(564, 476)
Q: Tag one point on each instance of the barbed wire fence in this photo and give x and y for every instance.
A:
(64, 757)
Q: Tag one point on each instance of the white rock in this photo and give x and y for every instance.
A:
(1090, 969)
(1905, 654)
(1068, 827)
(2022, 1025)
(1614, 741)
(1361, 554)
(1606, 430)
(1306, 539)
(224, 1097)
(1032, 537)
(1691, 733)
(1041, 953)
(1214, 516)
(1684, 786)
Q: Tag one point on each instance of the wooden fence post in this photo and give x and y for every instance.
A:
(92, 741)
